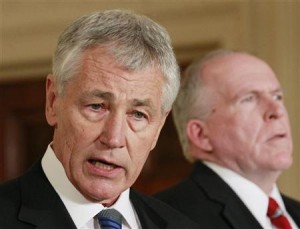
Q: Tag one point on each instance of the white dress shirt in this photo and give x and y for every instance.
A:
(80, 209)
(252, 196)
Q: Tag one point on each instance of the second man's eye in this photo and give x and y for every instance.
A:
(248, 98)
(278, 97)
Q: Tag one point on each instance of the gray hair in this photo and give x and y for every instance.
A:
(192, 100)
(135, 41)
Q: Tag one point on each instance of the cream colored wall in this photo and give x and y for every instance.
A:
(270, 29)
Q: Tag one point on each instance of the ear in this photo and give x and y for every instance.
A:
(51, 101)
(197, 133)
(162, 122)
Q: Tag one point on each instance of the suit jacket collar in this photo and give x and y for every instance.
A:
(211, 184)
(38, 201)
(148, 216)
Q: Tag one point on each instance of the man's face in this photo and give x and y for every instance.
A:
(106, 123)
(249, 127)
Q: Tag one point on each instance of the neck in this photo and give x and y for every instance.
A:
(109, 203)
(265, 181)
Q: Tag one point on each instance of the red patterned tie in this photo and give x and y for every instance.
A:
(276, 215)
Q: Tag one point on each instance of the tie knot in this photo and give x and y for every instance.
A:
(110, 219)
(274, 210)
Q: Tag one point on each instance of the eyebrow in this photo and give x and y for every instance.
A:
(108, 96)
(98, 94)
(101, 94)
(279, 89)
(139, 103)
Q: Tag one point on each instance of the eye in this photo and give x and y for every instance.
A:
(248, 98)
(96, 106)
(139, 115)
(138, 120)
(278, 97)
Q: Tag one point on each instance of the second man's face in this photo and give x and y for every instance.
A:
(107, 122)
(249, 128)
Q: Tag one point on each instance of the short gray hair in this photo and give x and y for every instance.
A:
(136, 42)
(192, 98)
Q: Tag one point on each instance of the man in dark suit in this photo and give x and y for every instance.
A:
(233, 125)
(114, 80)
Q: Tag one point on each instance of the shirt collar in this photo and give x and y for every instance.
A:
(124, 206)
(80, 209)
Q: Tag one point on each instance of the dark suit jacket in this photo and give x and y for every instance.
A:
(31, 202)
(209, 201)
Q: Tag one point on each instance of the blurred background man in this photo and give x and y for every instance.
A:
(232, 123)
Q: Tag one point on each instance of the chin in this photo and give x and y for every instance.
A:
(94, 196)
(285, 162)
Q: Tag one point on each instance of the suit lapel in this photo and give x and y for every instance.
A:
(234, 210)
(239, 216)
(148, 217)
(41, 206)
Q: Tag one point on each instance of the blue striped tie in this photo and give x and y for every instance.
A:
(110, 219)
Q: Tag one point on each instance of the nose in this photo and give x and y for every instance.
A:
(274, 110)
(113, 133)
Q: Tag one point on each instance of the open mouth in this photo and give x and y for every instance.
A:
(102, 165)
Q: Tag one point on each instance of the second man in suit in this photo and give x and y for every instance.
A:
(233, 125)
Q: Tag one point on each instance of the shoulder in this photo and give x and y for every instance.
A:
(291, 202)
(293, 208)
(177, 191)
(290, 199)
(9, 192)
(10, 201)
(191, 191)
(154, 207)
(12, 192)
(152, 202)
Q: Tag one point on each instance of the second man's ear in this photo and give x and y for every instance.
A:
(197, 133)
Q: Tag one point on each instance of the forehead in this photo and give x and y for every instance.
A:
(235, 73)
(99, 62)
(100, 72)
